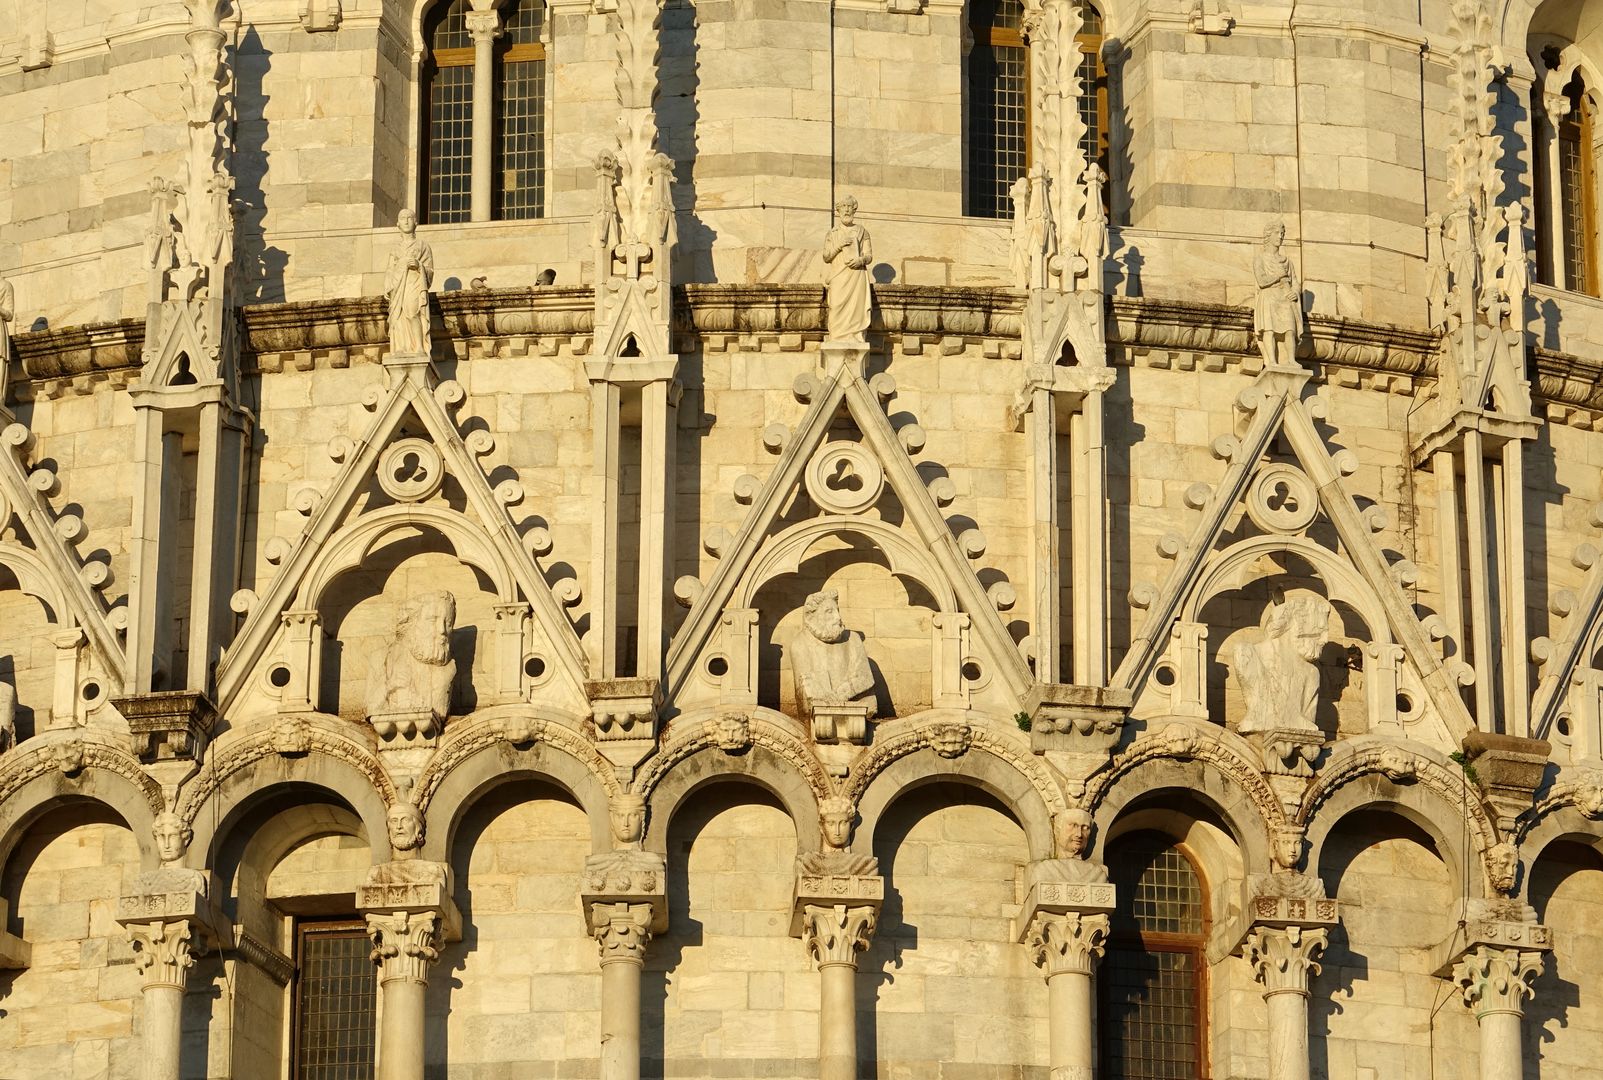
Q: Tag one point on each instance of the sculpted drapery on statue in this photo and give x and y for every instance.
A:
(1279, 674)
(829, 661)
(8, 311)
(1277, 321)
(412, 677)
(406, 282)
(848, 252)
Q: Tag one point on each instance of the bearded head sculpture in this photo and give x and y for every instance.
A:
(413, 675)
(405, 824)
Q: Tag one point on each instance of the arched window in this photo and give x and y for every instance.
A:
(1153, 1016)
(505, 179)
(998, 101)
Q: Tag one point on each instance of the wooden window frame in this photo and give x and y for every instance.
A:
(1157, 941)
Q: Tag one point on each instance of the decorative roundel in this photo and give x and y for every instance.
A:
(1282, 500)
(411, 470)
(843, 478)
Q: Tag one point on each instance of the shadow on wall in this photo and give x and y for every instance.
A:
(258, 265)
(677, 117)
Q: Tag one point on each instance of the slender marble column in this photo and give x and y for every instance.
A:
(484, 27)
(1496, 983)
(163, 953)
(1066, 947)
(622, 930)
(833, 937)
(1283, 961)
(405, 943)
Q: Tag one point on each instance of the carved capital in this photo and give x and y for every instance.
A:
(1497, 980)
(405, 943)
(1067, 942)
(835, 935)
(164, 951)
(1285, 959)
(483, 25)
(622, 931)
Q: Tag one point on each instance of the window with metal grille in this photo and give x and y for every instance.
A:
(336, 989)
(517, 118)
(999, 102)
(1577, 204)
(520, 108)
(1152, 977)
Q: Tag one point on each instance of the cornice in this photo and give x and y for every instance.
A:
(1142, 332)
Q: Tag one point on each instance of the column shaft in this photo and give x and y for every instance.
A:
(1288, 1035)
(163, 1031)
(622, 931)
(163, 954)
(401, 1031)
(1069, 1039)
(405, 943)
(837, 1022)
(1501, 1050)
(1496, 982)
(483, 26)
(1284, 960)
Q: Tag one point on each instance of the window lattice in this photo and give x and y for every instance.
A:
(336, 990)
(520, 109)
(1575, 195)
(450, 119)
(1152, 1013)
(999, 102)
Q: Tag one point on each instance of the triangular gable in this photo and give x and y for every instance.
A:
(69, 575)
(846, 388)
(410, 395)
(1569, 653)
(631, 316)
(1280, 411)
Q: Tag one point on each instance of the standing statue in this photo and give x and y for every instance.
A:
(848, 252)
(1435, 271)
(1279, 674)
(1516, 266)
(606, 230)
(413, 674)
(1093, 240)
(829, 661)
(1277, 320)
(406, 282)
(8, 311)
(1019, 250)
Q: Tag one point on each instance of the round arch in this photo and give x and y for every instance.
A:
(1225, 570)
(1561, 824)
(787, 551)
(708, 765)
(256, 781)
(1198, 780)
(51, 791)
(497, 765)
(1414, 803)
(978, 768)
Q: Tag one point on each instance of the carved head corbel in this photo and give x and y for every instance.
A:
(627, 811)
(837, 815)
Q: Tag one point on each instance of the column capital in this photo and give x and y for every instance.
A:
(622, 931)
(405, 943)
(1497, 980)
(164, 951)
(483, 26)
(834, 935)
(1066, 942)
(1283, 959)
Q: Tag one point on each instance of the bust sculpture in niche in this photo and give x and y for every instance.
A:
(413, 675)
(830, 662)
(1279, 674)
(1071, 836)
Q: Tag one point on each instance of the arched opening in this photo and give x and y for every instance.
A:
(727, 990)
(521, 990)
(944, 985)
(1564, 1018)
(71, 1012)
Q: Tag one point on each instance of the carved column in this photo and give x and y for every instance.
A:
(833, 937)
(624, 896)
(483, 27)
(1496, 983)
(1066, 946)
(834, 911)
(1284, 959)
(1064, 924)
(405, 943)
(163, 953)
(622, 931)
(409, 914)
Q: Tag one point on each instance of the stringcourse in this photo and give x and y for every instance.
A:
(806, 539)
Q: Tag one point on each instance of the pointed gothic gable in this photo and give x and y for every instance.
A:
(337, 531)
(1571, 686)
(925, 537)
(44, 561)
(1400, 660)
